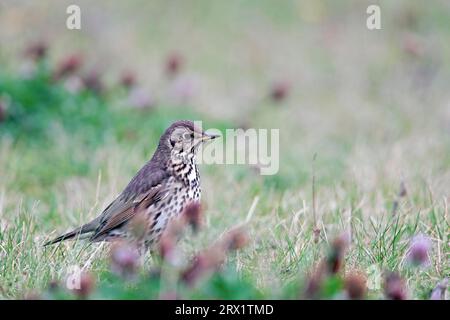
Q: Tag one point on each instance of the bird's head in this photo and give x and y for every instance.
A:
(183, 138)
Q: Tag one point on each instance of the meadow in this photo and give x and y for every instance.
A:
(364, 119)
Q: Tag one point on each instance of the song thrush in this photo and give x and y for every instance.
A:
(156, 194)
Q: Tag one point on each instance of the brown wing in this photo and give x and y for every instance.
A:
(120, 213)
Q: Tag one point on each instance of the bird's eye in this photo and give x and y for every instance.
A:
(187, 136)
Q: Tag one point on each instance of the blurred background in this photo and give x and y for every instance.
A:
(237, 61)
(234, 51)
(81, 110)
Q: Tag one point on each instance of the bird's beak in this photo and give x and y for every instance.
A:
(209, 136)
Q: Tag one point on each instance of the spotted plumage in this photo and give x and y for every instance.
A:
(156, 194)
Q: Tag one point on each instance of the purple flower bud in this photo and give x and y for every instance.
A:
(36, 51)
(195, 270)
(280, 91)
(92, 81)
(140, 99)
(438, 293)
(336, 256)
(68, 66)
(3, 113)
(124, 259)
(394, 287)
(53, 285)
(412, 46)
(87, 283)
(236, 239)
(192, 213)
(418, 252)
(355, 285)
(128, 79)
(174, 63)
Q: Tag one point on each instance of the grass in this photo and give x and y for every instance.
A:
(373, 115)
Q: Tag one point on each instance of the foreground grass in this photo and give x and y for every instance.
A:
(45, 192)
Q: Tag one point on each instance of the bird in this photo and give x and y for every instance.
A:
(158, 192)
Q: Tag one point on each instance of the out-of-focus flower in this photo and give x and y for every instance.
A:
(184, 88)
(328, 266)
(204, 263)
(418, 252)
(412, 46)
(193, 215)
(394, 287)
(68, 66)
(236, 239)
(169, 238)
(124, 258)
(280, 90)
(316, 234)
(92, 81)
(53, 285)
(128, 79)
(198, 267)
(355, 285)
(36, 51)
(3, 112)
(167, 247)
(87, 284)
(314, 282)
(401, 194)
(336, 256)
(174, 63)
(73, 84)
(213, 257)
(140, 98)
(439, 291)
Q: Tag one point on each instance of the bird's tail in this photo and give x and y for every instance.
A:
(80, 232)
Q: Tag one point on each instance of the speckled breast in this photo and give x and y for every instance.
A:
(183, 191)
